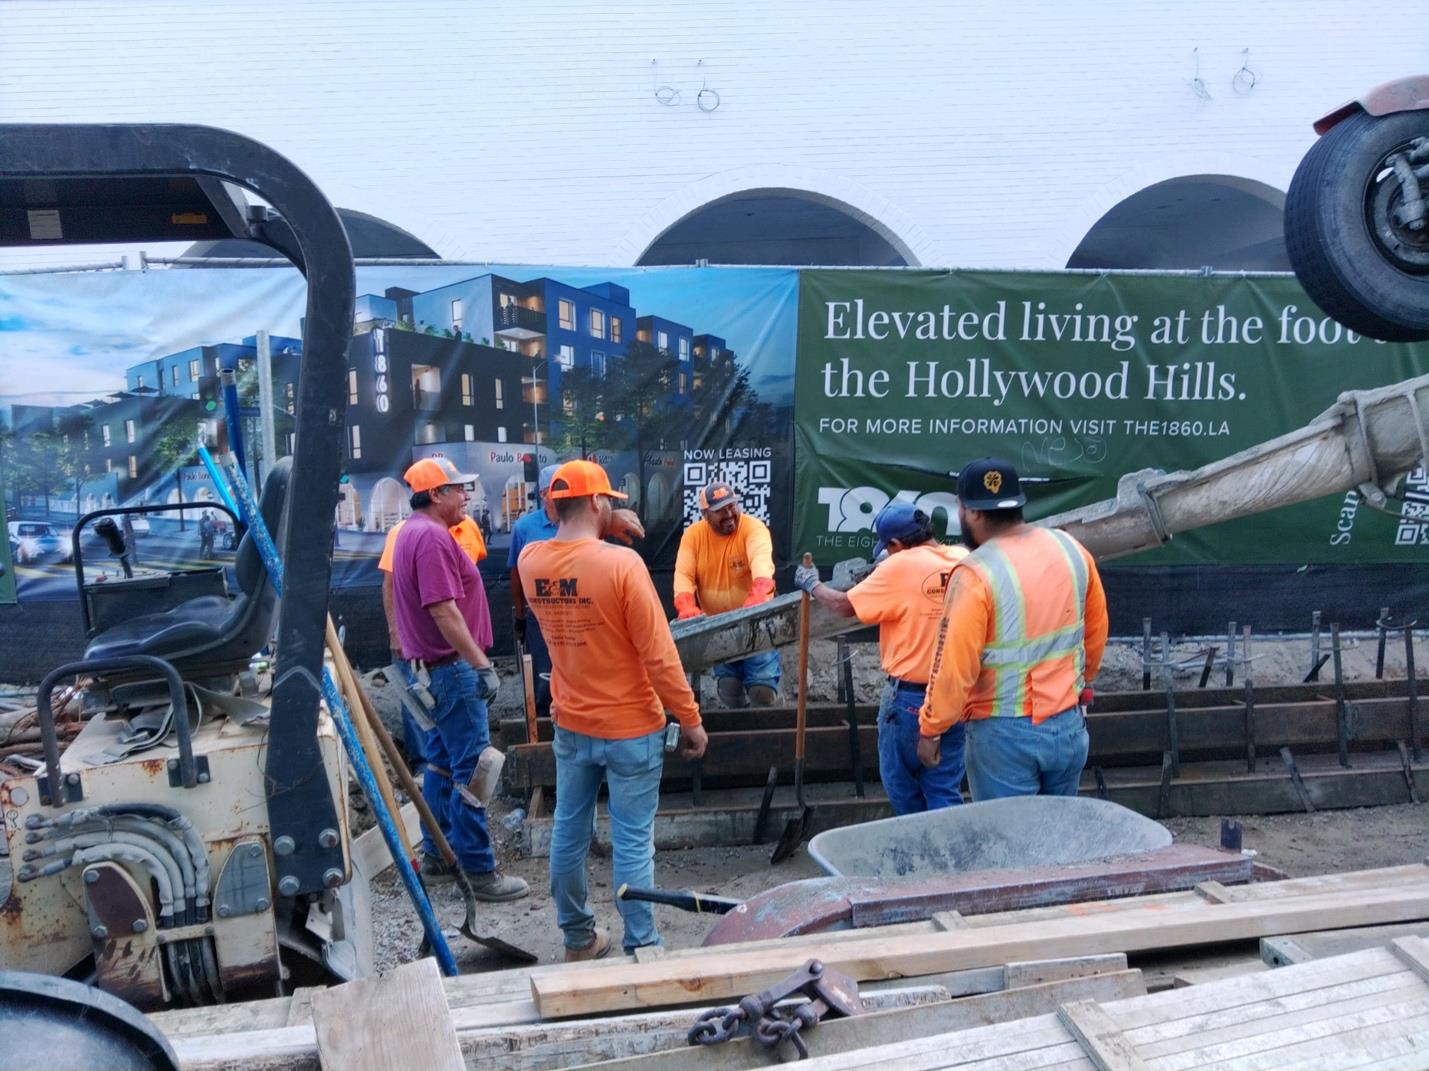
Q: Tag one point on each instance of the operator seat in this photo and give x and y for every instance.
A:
(211, 635)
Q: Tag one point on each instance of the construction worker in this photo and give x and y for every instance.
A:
(1022, 634)
(444, 624)
(614, 673)
(903, 596)
(532, 527)
(725, 562)
(468, 538)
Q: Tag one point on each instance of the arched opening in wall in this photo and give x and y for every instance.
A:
(1217, 221)
(778, 227)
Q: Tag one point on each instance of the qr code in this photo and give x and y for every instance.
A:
(749, 478)
(1415, 531)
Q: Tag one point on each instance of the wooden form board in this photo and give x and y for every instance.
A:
(1368, 1009)
(497, 1031)
(888, 1027)
(504, 997)
(724, 975)
(397, 1019)
(1303, 947)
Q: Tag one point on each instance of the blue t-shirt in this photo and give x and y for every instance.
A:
(531, 527)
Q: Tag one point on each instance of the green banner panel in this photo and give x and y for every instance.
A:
(901, 377)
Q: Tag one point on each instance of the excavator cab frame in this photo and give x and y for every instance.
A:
(120, 183)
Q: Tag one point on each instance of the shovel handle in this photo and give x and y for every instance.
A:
(698, 903)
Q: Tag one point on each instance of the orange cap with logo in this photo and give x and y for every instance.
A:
(717, 495)
(581, 479)
(432, 472)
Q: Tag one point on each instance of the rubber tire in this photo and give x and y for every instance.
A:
(1335, 257)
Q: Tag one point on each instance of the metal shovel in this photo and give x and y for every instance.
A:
(796, 830)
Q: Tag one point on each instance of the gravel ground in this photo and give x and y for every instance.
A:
(1299, 844)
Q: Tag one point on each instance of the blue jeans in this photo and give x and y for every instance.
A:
(1013, 757)
(414, 742)
(452, 748)
(631, 769)
(540, 664)
(911, 786)
(761, 668)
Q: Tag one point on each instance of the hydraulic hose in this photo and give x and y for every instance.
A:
(152, 856)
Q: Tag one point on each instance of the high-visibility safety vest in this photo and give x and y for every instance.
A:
(1037, 582)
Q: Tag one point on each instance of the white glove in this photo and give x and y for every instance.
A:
(806, 578)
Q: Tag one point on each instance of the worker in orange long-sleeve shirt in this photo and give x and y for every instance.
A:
(726, 562)
(1023, 630)
(614, 673)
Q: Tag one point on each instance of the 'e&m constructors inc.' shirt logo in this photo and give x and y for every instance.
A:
(559, 591)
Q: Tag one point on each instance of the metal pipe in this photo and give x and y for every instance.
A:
(1363, 440)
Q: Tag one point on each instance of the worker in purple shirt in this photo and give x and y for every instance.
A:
(444, 625)
(532, 527)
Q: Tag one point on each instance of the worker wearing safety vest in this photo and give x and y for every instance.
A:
(1023, 630)
(903, 596)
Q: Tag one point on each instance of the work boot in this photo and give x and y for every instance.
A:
(597, 949)
(495, 887)
(435, 872)
(731, 692)
(761, 695)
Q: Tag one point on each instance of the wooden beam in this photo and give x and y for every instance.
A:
(1321, 1015)
(397, 1019)
(737, 758)
(1303, 947)
(723, 975)
(370, 855)
(743, 741)
(1102, 1040)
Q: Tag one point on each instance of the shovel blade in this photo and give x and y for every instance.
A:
(796, 831)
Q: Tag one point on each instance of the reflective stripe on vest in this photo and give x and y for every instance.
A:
(1012, 654)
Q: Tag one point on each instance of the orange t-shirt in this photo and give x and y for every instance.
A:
(959, 689)
(720, 569)
(614, 667)
(466, 532)
(904, 597)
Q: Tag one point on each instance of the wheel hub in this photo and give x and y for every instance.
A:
(1395, 208)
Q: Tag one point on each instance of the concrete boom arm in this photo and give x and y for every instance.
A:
(1365, 440)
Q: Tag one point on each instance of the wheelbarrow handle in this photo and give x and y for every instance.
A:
(698, 903)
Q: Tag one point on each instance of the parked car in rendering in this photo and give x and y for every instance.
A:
(32, 540)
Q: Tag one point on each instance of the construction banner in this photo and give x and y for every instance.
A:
(669, 377)
(903, 376)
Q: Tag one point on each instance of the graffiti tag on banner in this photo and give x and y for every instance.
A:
(748, 469)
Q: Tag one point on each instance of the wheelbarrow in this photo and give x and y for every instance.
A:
(1000, 855)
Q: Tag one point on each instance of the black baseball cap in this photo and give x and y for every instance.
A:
(990, 483)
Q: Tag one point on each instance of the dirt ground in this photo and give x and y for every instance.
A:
(1298, 844)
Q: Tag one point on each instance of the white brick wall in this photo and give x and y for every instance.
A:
(979, 134)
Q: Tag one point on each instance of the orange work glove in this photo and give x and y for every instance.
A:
(762, 591)
(685, 605)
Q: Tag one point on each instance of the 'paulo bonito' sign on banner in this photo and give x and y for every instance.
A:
(903, 376)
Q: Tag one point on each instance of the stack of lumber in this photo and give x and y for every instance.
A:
(1064, 967)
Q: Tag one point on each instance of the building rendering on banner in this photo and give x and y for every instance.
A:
(501, 375)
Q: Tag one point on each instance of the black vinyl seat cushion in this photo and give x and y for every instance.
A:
(211, 630)
(196, 624)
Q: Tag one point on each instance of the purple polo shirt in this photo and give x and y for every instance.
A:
(429, 567)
